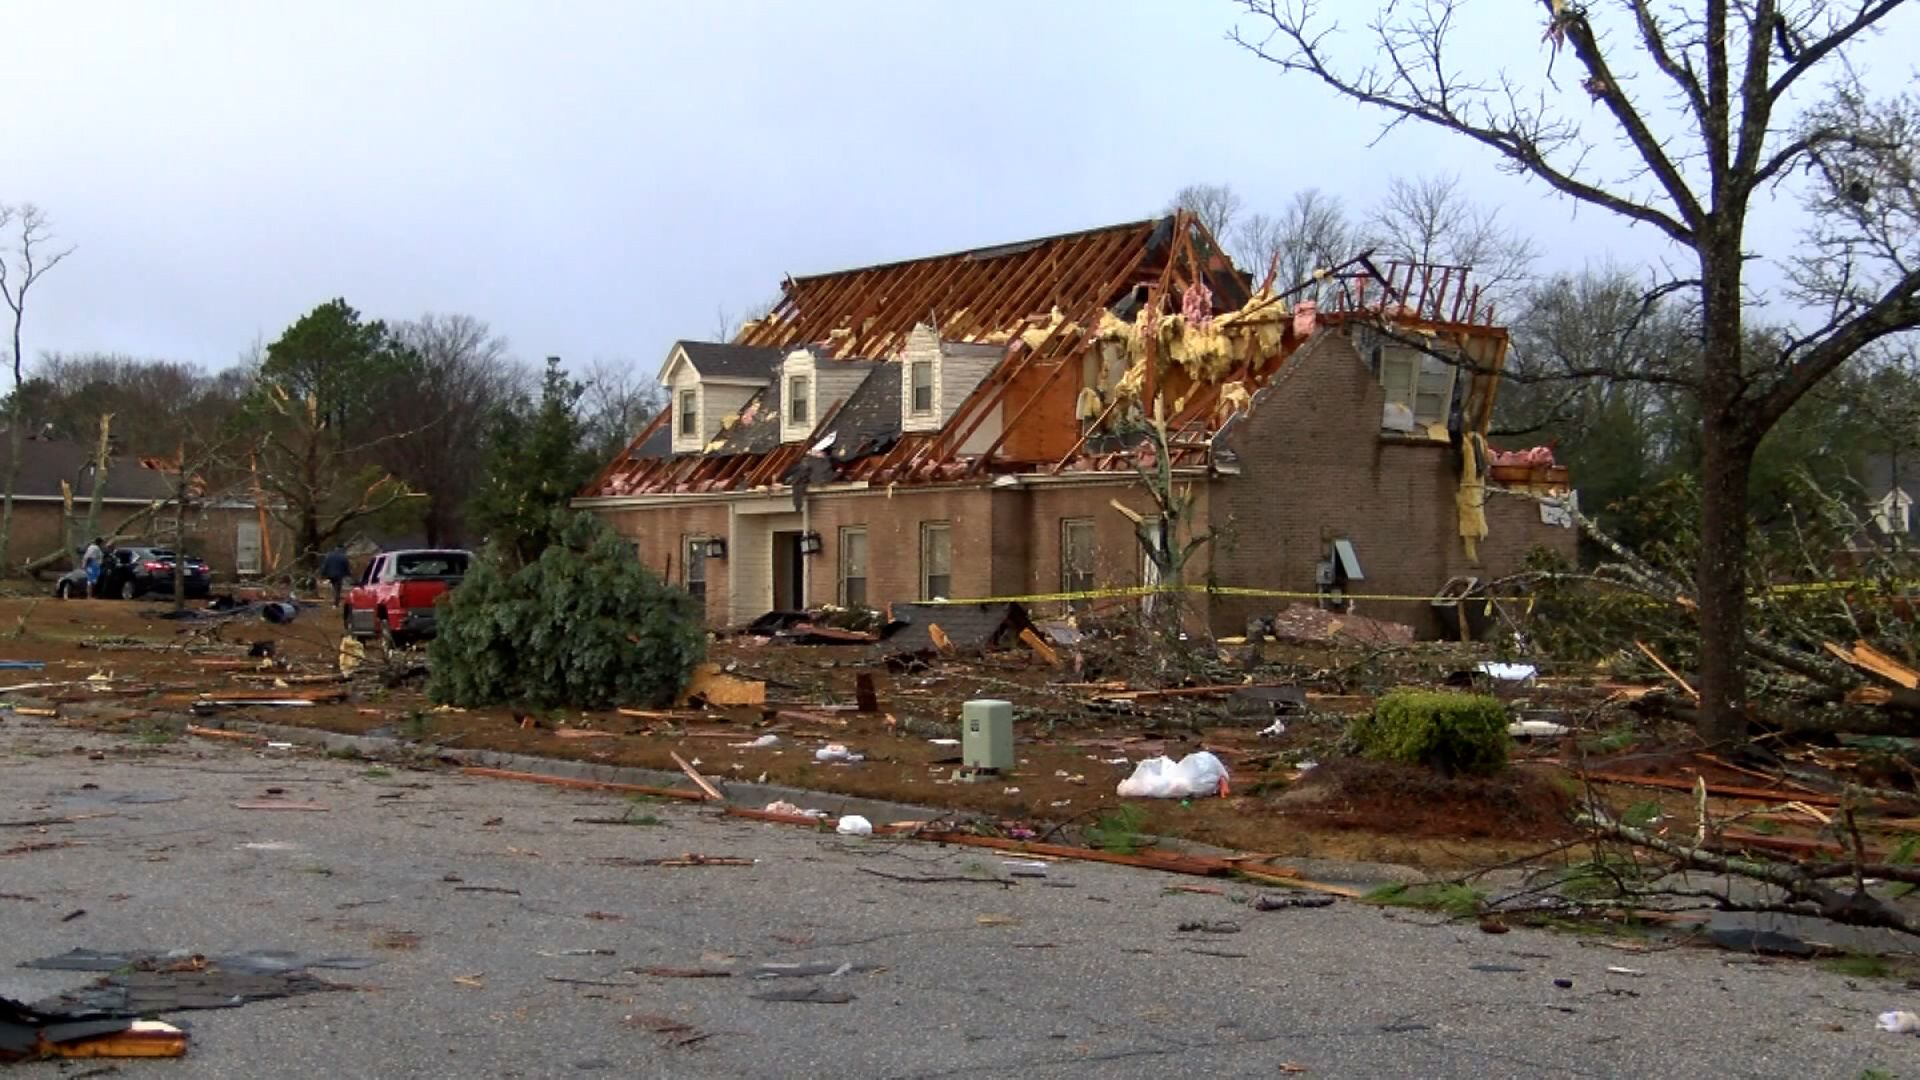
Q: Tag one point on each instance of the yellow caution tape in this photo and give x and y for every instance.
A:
(1136, 591)
(1160, 590)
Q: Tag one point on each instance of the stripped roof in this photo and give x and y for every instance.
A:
(1040, 304)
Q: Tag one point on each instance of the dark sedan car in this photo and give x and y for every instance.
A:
(136, 571)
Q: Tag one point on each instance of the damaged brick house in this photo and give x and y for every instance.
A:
(972, 425)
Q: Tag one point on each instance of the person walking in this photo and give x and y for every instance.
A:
(93, 561)
(333, 568)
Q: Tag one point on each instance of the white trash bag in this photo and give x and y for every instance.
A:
(854, 825)
(1197, 775)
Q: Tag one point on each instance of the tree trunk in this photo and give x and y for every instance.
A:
(1726, 462)
(102, 459)
(17, 441)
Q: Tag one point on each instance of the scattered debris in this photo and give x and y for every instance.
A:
(693, 859)
(854, 825)
(699, 781)
(811, 995)
(1205, 927)
(1900, 1022)
(713, 687)
(1197, 775)
(1281, 903)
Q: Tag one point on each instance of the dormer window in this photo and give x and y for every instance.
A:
(921, 372)
(689, 414)
(797, 399)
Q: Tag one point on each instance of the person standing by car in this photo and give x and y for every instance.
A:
(93, 560)
(335, 570)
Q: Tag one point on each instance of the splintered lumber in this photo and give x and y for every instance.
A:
(1670, 673)
(715, 687)
(1872, 660)
(1169, 863)
(1719, 791)
(582, 733)
(583, 785)
(939, 638)
(699, 781)
(1040, 648)
(866, 698)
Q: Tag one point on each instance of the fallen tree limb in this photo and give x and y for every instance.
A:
(1853, 909)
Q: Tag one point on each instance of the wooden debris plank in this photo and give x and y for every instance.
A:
(583, 785)
(699, 781)
(939, 638)
(216, 733)
(582, 733)
(1720, 791)
(1040, 648)
(801, 716)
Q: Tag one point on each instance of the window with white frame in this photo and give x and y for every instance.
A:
(1419, 388)
(694, 570)
(1076, 554)
(853, 566)
(921, 373)
(936, 560)
(797, 400)
(690, 413)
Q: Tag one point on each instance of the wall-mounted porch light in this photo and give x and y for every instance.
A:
(810, 544)
(716, 548)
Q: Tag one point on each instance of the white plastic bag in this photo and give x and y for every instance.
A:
(1197, 775)
(854, 825)
(1900, 1023)
(835, 752)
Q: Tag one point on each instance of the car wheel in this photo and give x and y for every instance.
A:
(64, 590)
(128, 590)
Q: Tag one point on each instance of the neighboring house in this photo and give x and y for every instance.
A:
(223, 529)
(1891, 481)
(964, 426)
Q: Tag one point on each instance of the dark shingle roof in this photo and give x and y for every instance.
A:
(717, 361)
(43, 464)
(871, 416)
(759, 429)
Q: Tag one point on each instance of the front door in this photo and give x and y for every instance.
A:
(789, 573)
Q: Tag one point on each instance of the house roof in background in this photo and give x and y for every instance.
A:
(45, 463)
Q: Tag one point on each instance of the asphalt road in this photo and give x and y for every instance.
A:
(475, 895)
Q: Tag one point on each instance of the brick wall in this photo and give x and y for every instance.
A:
(658, 534)
(893, 540)
(1314, 467)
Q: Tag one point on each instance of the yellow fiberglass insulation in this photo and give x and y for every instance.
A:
(1233, 398)
(1088, 405)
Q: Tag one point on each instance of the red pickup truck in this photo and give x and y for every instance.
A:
(394, 599)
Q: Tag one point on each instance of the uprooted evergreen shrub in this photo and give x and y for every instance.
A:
(584, 626)
(1448, 732)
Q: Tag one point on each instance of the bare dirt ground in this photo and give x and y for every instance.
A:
(120, 665)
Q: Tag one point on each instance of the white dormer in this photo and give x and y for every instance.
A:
(708, 382)
(796, 386)
(936, 377)
(811, 385)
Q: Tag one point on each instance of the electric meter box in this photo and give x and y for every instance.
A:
(986, 735)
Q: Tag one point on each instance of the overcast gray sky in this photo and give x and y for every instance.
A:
(597, 179)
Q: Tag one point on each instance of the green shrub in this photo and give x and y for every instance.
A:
(584, 626)
(1451, 733)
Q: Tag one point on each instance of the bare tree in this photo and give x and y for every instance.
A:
(618, 401)
(1217, 206)
(1708, 103)
(464, 372)
(22, 265)
(1311, 233)
(1430, 219)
